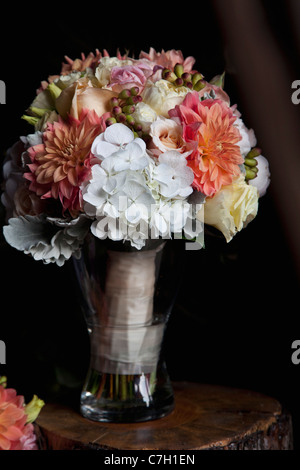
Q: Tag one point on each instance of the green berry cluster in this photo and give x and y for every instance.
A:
(123, 106)
(250, 163)
(179, 77)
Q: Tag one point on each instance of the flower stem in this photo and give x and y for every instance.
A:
(123, 387)
(101, 387)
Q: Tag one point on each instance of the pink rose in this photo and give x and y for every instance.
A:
(129, 76)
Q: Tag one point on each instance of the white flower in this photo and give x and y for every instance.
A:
(107, 227)
(162, 96)
(173, 175)
(111, 140)
(130, 194)
(248, 139)
(262, 179)
(144, 115)
(119, 142)
(168, 217)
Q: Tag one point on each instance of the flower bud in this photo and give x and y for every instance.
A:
(30, 119)
(189, 85)
(186, 77)
(33, 408)
(165, 72)
(3, 381)
(196, 77)
(134, 90)
(254, 152)
(128, 109)
(130, 120)
(138, 127)
(39, 111)
(170, 76)
(250, 162)
(110, 121)
(250, 174)
(114, 101)
(133, 100)
(124, 94)
(179, 81)
(117, 110)
(199, 85)
(121, 117)
(178, 70)
(55, 91)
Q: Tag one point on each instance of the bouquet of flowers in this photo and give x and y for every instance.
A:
(133, 151)
(129, 149)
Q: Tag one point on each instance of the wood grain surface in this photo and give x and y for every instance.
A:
(205, 417)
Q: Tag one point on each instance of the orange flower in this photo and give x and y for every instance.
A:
(209, 131)
(15, 434)
(61, 164)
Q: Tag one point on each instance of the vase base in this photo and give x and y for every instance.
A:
(133, 414)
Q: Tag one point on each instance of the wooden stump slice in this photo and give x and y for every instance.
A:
(206, 417)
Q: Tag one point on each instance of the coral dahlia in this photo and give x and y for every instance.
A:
(62, 162)
(209, 131)
(15, 432)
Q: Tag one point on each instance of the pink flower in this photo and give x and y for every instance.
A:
(169, 59)
(62, 162)
(15, 434)
(209, 132)
(129, 76)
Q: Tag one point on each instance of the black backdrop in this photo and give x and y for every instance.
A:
(237, 310)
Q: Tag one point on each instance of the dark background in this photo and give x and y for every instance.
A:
(237, 311)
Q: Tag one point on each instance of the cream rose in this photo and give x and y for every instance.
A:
(162, 96)
(232, 208)
(166, 135)
(144, 115)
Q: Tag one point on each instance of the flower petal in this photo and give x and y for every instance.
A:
(118, 134)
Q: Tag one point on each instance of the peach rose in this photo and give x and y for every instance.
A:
(166, 135)
(81, 94)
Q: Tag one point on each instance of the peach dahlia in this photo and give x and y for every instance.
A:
(62, 162)
(209, 131)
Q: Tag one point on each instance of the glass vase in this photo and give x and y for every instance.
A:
(127, 297)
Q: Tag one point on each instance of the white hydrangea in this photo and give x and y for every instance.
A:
(173, 175)
(130, 195)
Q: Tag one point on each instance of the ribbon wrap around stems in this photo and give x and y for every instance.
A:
(126, 340)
